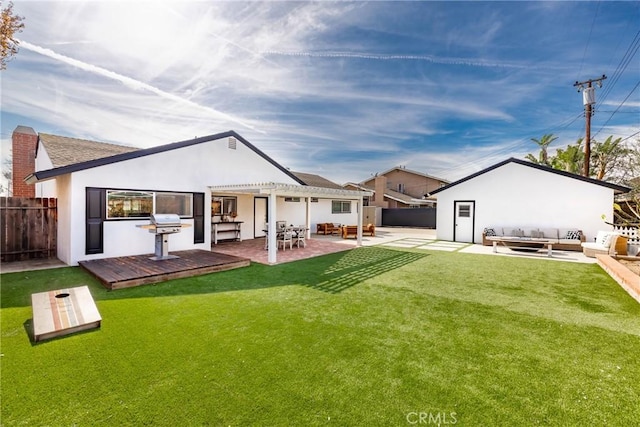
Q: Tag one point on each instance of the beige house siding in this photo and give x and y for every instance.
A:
(407, 182)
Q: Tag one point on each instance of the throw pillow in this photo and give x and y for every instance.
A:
(489, 232)
(601, 238)
(573, 235)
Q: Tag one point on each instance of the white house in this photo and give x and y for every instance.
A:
(517, 193)
(105, 190)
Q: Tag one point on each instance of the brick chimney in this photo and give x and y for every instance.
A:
(380, 187)
(23, 142)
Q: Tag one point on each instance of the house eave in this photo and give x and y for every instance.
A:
(289, 190)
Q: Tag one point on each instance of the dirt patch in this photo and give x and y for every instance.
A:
(619, 269)
(631, 265)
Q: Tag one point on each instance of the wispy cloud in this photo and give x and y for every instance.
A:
(341, 89)
(130, 82)
(396, 57)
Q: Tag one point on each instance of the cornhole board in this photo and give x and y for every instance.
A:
(62, 312)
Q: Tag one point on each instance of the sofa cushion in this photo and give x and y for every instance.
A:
(603, 238)
(513, 232)
(576, 242)
(549, 233)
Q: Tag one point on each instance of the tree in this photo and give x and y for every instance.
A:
(543, 143)
(570, 159)
(10, 25)
(7, 174)
(605, 156)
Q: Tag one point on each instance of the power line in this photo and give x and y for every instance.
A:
(630, 136)
(622, 66)
(616, 110)
(584, 55)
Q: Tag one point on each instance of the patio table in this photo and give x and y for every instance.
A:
(295, 230)
(522, 243)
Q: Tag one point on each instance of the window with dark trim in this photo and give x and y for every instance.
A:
(109, 204)
(141, 204)
(223, 205)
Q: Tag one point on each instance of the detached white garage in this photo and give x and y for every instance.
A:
(517, 193)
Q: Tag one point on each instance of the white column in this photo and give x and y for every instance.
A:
(308, 218)
(359, 215)
(272, 228)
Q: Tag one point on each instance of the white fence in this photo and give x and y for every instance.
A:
(633, 234)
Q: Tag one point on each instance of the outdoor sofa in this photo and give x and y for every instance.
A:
(566, 239)
(606, 243)
(352, 230)
(327, 228)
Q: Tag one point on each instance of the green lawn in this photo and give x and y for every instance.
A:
(371, 336)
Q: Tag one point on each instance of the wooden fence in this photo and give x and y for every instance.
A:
(28, 227)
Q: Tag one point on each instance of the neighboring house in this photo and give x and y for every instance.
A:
(105, 190)
(400, 188)
(517, 193)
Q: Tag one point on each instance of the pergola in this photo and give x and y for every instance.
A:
(274, 190)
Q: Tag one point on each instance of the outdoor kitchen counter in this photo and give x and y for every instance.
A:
(230, 230)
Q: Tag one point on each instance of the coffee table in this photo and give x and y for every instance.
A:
(528, 244)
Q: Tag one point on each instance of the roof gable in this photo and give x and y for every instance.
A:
(615, 187)
(92, 163)
(405, 170)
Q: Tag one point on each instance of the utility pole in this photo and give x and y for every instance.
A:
(588, 99)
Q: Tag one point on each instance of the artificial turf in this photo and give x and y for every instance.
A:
(371, 336)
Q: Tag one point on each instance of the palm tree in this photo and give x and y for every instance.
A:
(543, 143)
(570, 159)
(605, 156)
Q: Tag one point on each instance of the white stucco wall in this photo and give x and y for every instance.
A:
(188, 169)
(518, 195)
(294, 213)
(43, 162)
(291, 212)
(65, 221)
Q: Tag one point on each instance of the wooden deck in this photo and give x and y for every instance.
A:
(125, 272)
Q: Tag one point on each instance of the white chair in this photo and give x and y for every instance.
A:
(301, 235)
(284, 237)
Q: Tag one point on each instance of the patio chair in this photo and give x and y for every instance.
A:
(280, 225)
(301, 236)
(284, 237)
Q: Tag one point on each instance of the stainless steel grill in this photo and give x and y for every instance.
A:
(162, 225)
(165, 223)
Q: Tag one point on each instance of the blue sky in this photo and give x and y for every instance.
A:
(343, 89)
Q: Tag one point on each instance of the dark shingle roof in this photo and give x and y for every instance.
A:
(316, 180)
(64, 151)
